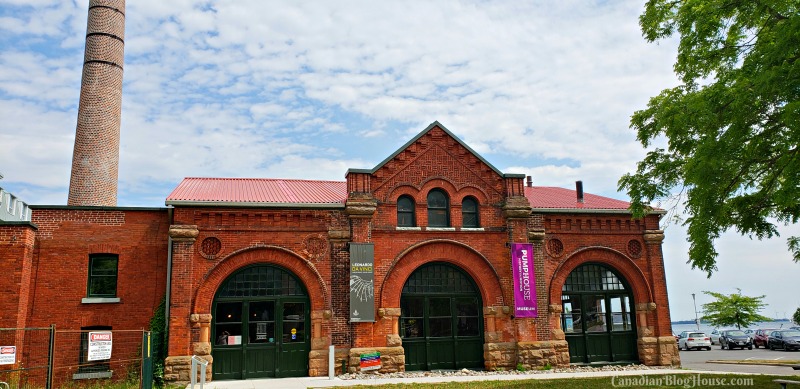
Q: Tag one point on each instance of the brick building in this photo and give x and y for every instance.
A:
(259, 272)
(434, 259)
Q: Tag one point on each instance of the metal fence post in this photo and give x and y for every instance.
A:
(50, 357)
(146, 381)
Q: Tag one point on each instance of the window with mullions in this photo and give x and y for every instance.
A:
(438, 209)
(102, 275)
(405, 212)
(592, 278)
(469, 213)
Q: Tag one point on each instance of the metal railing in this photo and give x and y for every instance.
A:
(198, 361)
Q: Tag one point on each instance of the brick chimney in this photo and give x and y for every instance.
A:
(95, 158)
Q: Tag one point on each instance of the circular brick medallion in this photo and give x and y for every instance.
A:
(555, 247)
(210, 247)
(634, 248)
(315, 247)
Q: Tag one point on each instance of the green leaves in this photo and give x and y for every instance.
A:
(733, 310)
(732, 128)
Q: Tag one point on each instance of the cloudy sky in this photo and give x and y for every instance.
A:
(308, 89)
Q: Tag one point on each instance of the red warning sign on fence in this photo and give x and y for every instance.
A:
(99, 346)
(8, 355)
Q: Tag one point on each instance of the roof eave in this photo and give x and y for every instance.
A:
(593, 211)
(242, 204)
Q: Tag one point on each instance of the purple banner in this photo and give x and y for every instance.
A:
(524, 280)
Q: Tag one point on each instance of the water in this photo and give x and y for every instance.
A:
(707, 328)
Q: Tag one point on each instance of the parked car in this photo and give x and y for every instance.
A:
(688, 340)
(677, 338)
(750, 333)
(761, 335)
(732, 339)
(715, 335)
(786, 339)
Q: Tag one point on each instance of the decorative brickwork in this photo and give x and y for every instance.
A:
(210, 244)
(95, 159)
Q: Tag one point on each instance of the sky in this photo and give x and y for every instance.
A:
(308, 89)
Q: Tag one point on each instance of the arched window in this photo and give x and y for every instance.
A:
(438, 209)
(405, 212)
(469, 213)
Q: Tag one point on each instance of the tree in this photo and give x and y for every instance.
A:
(796, 317)
(734, 310)
(732, 125)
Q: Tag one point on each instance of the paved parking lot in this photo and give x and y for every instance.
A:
(696, 360)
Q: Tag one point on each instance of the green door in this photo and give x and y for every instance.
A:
(441, 319)
(259, 322)
(597, 316)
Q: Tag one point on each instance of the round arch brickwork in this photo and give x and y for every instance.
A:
(441, 250)
(273, 255)
(623, 265)
(420, 193)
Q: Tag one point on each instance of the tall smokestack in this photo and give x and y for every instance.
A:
(579, 190)
(95, 159)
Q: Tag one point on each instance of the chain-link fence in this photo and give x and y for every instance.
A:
(49, 358)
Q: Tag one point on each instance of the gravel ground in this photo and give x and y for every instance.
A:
(467, 372)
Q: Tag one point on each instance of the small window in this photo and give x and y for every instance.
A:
(438, 209)
(405, 212)
(102, 276)
(469, 213)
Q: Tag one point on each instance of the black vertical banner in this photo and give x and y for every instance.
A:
(362, 282)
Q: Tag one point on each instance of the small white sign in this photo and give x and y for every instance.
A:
(8, 355)
(99, 346)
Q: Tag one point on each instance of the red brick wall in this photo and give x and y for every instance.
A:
(66, 238)
(282, 237)
(16, 256)
(616, 241)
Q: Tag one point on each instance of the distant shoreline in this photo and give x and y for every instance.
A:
(705, 322)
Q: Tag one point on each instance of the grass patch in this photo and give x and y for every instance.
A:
(681, 381)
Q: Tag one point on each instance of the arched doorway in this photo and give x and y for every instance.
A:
(441, 319)
(260, 325)
(597, 316)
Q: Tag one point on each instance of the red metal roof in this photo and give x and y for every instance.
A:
(549, 197)
(285, 192)
(263, 191)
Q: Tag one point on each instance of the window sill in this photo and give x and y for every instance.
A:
(472, 229)
(409, 228)
(93, 375)
(440, 228)
(99, 300)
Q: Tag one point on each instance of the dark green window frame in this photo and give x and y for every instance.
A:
(438, 209)
(405, 212)
(469, 213)
(103, 269)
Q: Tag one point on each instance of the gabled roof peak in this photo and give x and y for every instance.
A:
(424, 132)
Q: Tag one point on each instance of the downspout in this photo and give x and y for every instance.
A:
(169, 279)
(169, 266)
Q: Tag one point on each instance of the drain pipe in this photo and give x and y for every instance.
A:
(169, 279)
(170, 216)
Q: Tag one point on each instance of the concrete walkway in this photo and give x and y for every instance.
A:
(324, 382)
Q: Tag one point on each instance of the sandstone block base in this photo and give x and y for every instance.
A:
(178, 370)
